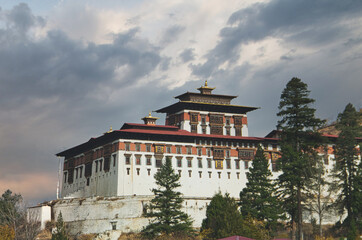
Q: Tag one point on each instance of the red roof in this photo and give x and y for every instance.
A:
(185, 133)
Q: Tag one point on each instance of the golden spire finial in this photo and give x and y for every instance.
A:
(110, 130)
(149, 114)
(205, 83)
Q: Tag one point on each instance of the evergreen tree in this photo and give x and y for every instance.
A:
(60, 233)
(223, 219)
(258, 198)
(298, 139)
(165, 208)
(347, 171)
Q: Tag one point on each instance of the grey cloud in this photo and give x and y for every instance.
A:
(21, 18)
(187, 55)
(55, 86)
(171, 34)
(306, 22)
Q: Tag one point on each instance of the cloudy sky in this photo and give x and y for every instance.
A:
(71, 69)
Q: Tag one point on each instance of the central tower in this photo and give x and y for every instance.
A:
(207, 113)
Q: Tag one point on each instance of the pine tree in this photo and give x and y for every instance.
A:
(165, 208)
(347, 171)
(298, 139)
(223, 219)
(258, 198)
(60, 233)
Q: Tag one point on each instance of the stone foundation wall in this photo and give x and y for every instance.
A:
(116, 214)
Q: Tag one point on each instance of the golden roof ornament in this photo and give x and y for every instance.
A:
(205, 89)
(149, 120)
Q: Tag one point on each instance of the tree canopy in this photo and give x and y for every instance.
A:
(258, 198)
(223, 219)
(299, 138)
(164, 210)
(347, 171)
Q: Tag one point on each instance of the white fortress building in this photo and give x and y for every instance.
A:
(108, 180)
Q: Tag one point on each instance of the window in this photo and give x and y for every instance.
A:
(193, 128)
(228, 175)
(158, 163)
(189, 162)
(208, 152)
(200, 162)
(217, 130)
(128, 160)
(127, 146)
(228, 165)
(200, 174)
(100, 165)
(203, 119)
(203, 129)
(148, 160)
(138, 160)
(227, 120)
(246, 154)
(189, 150)
(138, 171)
(178, 150)
(80, 172)
(216, 119)
(138, 147)
(199, 151)
(128, 169)
(76, 173)
(114, 159)
(227, 153)
(194, 117)
(237, 121)
(190, 171)
(237, 175)
(168, 149)
(88, 180)
(148, 148)
(237, 164)
(219, 153)
(149, 172)
(179, 162)
(246, 164)
(228, 131)
(219, 173)
(114, 225)
(237, 131)
(159, 149)
(179, 173)
(96, 166)
(209, 174)
(209, 164)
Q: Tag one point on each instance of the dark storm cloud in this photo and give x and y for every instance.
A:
(307, 22)
(52, 85)
(57, 65)
(187, 55)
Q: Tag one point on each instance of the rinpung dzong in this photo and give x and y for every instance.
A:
(107, 181)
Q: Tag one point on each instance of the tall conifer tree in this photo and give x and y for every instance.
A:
(347, 171)
(298, 139)
(165, 208)
(258, 198)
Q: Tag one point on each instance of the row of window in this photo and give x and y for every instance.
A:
(200, 173)
(179, 161)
